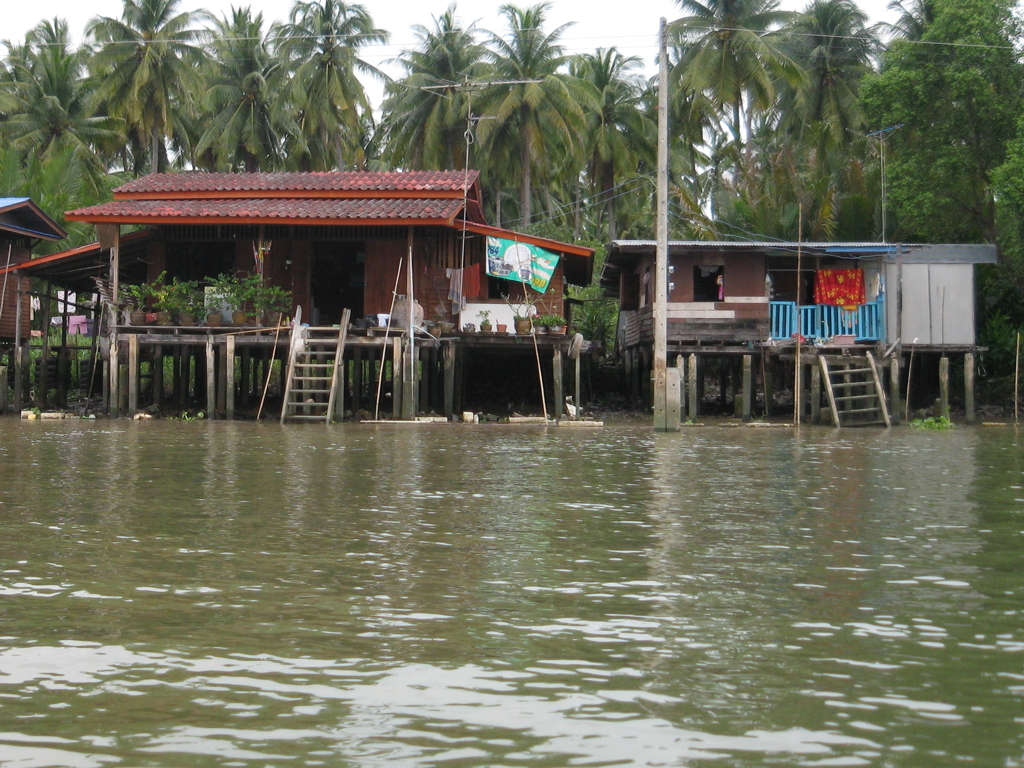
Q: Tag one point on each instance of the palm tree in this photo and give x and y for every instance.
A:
(619, 135)
(835, 48)
(915, 16)
(321, 42)
(45, 99)
(532, 106)
(147, 64)
(731, 54)
(424, 113)
(246, 113)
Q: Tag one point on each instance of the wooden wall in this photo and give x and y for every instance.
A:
(8, 318)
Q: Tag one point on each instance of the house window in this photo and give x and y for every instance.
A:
(708, 283)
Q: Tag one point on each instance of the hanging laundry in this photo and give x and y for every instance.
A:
(840, 287)
(455, 293)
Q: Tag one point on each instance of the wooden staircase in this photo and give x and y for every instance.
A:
(854, 388)
(313, 388)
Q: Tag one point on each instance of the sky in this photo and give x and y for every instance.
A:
(630, 26)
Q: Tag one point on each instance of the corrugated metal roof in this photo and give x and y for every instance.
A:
(956, 253)
(642, 245)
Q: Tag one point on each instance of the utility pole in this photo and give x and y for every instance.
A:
(662, 419)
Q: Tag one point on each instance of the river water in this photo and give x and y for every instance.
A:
(232, 594)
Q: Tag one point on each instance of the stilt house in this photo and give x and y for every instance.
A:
(729, 301)
(373, 244)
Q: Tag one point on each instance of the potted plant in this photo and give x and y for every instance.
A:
(175, 299)
(523, 310)
(468, 328)
(134, 297)
(270, 302)
(213, 306)
(193, 304)
(484, 316)
(160, 293)
(550, 323)
(238, 293)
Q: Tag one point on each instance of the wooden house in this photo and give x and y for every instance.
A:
(732, 300)
(22, 225)
(356, 241)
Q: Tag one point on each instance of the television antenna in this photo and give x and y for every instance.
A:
(882, 135)
(469, 87)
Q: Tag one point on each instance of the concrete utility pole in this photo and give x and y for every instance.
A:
(662, 418)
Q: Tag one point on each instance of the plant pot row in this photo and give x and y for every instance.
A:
(213, 320)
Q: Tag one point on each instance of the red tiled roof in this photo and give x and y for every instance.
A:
(274, 210)
(421, 183)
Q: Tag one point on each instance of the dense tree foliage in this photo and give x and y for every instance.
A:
(776, 118)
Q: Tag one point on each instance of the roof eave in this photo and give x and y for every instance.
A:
(304, 194)
(265, 220)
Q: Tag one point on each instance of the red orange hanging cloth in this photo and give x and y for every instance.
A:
(840, 287)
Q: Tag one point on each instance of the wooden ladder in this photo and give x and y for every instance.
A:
(312, 390)
(855, 394)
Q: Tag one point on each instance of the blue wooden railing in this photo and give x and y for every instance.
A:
(822, 321)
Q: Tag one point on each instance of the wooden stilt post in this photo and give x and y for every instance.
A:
(460, 378)
(43, 384)
(748, 386)
(768, 384)
(158, 378)
(244, 377)
(229, 378)
(5, 393)
(397, 385)
(122, 388)
(944, 387)
(63, 361)
(357, 379)
(211, 379)
(969, 387)
(673, 396)
(692, 389)
(448, 358)
(19, 366)
(681, 383)
(816, 394)
(422, 362)
(558, 406)
(133, 374)
(894, 388)
(115, 376)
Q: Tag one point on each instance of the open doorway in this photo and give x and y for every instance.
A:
(338, 281)
(708, 283)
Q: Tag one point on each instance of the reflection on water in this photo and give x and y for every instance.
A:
(235, 594)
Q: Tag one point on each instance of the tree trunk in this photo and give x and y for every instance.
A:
(608, 193)
(154, 150)
(525, 192)
(577, 213)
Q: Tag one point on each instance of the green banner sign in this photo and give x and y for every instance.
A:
(521, 262)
